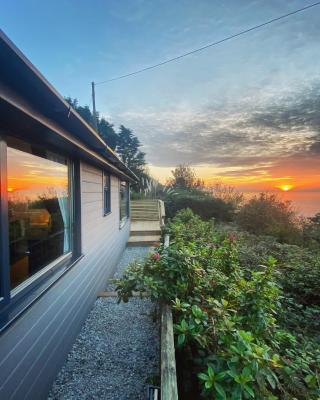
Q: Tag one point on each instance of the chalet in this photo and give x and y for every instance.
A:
(64, 221)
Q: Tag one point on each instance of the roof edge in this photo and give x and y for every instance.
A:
(67, 106)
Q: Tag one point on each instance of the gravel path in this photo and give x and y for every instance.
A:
(117, 351)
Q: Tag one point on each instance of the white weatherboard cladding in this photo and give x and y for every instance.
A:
(94, 225)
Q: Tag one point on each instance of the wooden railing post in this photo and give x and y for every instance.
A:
(169, 387)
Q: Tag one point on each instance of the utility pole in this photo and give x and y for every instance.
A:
(95, 120)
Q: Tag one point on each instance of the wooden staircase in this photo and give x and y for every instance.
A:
(146, 221)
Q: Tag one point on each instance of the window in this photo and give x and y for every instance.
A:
(39, 209)
(124, 200)
(40, 222)
(106, 194)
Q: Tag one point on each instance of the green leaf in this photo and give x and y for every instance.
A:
(184, 325)
(208, 385)
(308, 378)
(221, 375)
(311, 381)
(210, 372)
(246, 372)
(196, 310)
(181, 339)
(220, 390)
(236, 393)
(271, 381)
(249, 390)
(232, 372)
(202, 376)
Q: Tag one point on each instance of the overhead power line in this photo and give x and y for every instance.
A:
(139, 71)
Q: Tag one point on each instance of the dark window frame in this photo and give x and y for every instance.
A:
(4, 227)
(14, 302)
(106, 190)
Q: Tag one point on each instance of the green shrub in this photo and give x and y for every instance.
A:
(298, 267)
(267, 215)
(231, 320)
(201, 203)
(311, 232)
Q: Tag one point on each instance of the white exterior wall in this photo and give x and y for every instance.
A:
(96, 227)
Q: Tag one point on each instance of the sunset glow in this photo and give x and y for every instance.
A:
(285, 188)
(274, 177)
(31, 176)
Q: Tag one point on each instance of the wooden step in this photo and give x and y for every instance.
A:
(143, 244)
(155, 205)
(144, 240)
(142, 212)
(145, 206)
(144, 201)
(145, 210)
(145, 233)
(145, 226)
(133, 218)
(145, 216)
(153, 215)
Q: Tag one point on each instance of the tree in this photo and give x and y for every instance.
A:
(184, 177)
(125, 143)
(83, 111)
(128, 148)
(105, 129)
(226, 193)
(107, 132)
(267, 215)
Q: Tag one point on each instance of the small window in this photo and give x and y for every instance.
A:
(106, 194)
(124, 200)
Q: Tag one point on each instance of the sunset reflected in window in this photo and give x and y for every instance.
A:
(38, 205)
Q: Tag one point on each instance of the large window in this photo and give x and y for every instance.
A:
(124, 200)
(39, 209)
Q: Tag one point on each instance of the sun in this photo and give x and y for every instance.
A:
(285, 188)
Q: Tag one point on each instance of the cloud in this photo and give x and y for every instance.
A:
(252, 132)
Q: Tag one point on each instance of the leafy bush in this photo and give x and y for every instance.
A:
(227, 193)
(298, 267)
(201, 203)
(267, 215)
(311, 232)
(230, 319)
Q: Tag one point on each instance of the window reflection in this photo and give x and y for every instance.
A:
(124, 200)
(106, 193)
(39, 209)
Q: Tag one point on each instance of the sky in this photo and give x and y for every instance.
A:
(246, 112)
(31, 176)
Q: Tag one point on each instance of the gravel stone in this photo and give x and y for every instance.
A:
(117, 351)
(131, 254)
